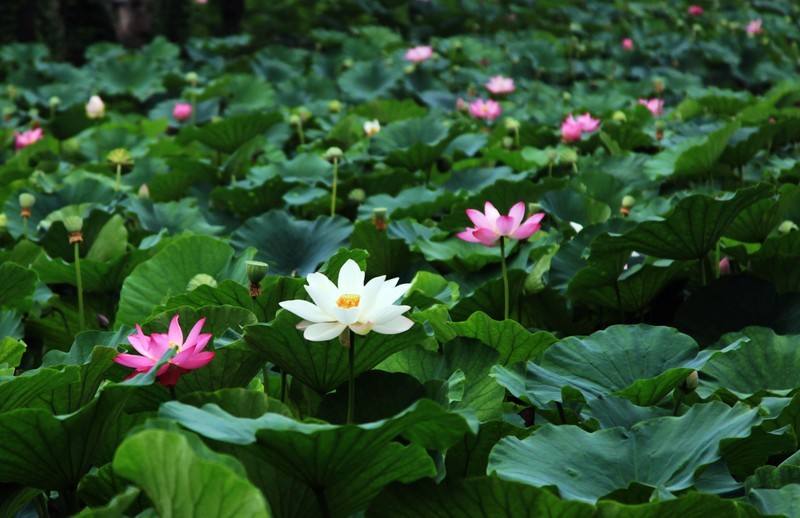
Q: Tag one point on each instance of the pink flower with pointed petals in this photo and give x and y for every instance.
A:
(189, 353)
(486, 109)
(182, 111)
(500, 85)
(490, 225)
(695, 10)
(27, 137)
(588, 123)
(627, 44)
(754, 27)
(571, 130)
(419, 54)
(656, 106)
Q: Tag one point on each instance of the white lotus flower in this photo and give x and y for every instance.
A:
(352, 304)
(372, 127)
(95, 108)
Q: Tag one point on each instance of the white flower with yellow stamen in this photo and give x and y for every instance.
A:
(371, 128)
(350, 304)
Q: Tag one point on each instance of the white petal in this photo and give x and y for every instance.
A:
(577, 227)
(322, 291)
(393, 327)
(305, 310)
(323, 332)
(370, 294)
(351, 278)
(361, 328)
(389, 313)
(389, 296)
(347, 316)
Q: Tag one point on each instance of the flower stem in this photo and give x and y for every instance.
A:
(333, 188)
(79, 283)
(351, 383)
(300, 133)
(118, 182)
(516, 138)
(505, 276)
(25, 227)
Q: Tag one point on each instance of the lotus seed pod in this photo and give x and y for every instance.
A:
(552, 155)
(347, 63)
(457, 45)
(511, 124)
(379, 217)
(566, 96)
(33, 113)
(357, 195)
(304, 113)
(73, 223)
(619, 116)
(335, 106)
(256, 271)
(628, 201)
(294, 119)
(192, 78)
(120, 156)
(658, 85)
(54, 101)
(333, 153)
(201, 279)
(144, 191)
(26, 200)
(787, 226)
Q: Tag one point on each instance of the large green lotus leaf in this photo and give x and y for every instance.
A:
(468, 458)
(388, 255)
(114, 508)
(690, 231)
(639, 362)
(322, 366)
(11, 351)
(694, 156)
(570, 205)
(182, 174)
(68, 123)
(691, 505)
(478, 496)
(756, 222)
(390, 110)
(746, 143)
(96, 276)
(776, 261)
(346, 466)
(305, 168)
(664, 453)
(183, 482)
(369, 80)
(289, 245)
(777, 502)
(416, 202)
(762, 363)
(174, 216)
(21, 391)
(412, 143)
(242, 93)
(168, 272)
(16, 290)
(135, 75)
(231, 133)
(507, 337)
(11, 324)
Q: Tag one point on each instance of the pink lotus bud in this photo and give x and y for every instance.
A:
(419, 54)
(627, 44)
(571, 130)
(754, 27)
(182, 111)
(485, 109)
(500, 85)
(695, 10)
(656, 106)
(724, 266)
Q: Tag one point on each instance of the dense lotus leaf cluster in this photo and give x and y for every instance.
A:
(616, 332)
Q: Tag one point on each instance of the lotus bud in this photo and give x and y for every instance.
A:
(511, 124)
(628, 201)
(144, 191)
(566, 96)
(335, 106)
(347, 63)
(26, 201)
(74, 225)
(569, 156)
(256, 271)
(333, 153)
(103, 321)
(54, 101)
(787, 226)
(33, 113)
(690, 383)
(619, 116)
(724, 266)
(95, 108)
(379, 217)
(357, 195)
(120, 157)
(304, 113)
(371, 128)
(201, 279)
(456, 45)
(192, 78)
(295, 119)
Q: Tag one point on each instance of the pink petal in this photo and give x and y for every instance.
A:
(478, 218)
(504, 224)
(191, 340)
(175, 333)
(517, 212)
(468, 236)
(491, 213)
(485, 236)
(134, 361)
(159, 343)
(529, 227)
(191, 360)
(202, 341)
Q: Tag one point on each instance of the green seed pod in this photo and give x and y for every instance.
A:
(73, 223)
(333, 153)
(619, 116)
(628, 201)
(511, 124)
(357, 195)
(26, 200)
(256, 271)
(334, 106)
(508, 142)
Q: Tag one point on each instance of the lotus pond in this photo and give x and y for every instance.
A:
(425, 259)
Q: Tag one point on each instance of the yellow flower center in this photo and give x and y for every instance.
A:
(348, 300)
(173, 345)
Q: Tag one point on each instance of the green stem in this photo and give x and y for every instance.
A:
(194, 105)
(516, 138)
(79, 282)
(333, 189)
(265, 373)
(322, 501)
(351, 382)
(118, 183)
(300, 133)
(25, 227)
(505, 276)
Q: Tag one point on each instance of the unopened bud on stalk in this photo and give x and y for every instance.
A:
(627, 203)
(144, 191)
(201, 279)
(508, 142)
(408, 69)
(74, 225)
(357, 195)
(26, 201)
(103, 321)
(304, 113)
(192, 78)
(658, 85)
(256, 271)
(511, 124)
(334, 106)
(294, 119)
(379, 218)
(619, 116)
(566, 96)
(120, 157)
(569, 156)
(333, 153)
(54, 101)
(690, 383)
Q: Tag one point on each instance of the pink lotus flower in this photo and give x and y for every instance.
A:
(419, 54)
(490, 225)
(182, 111)
(588, 123)
(754, 27)
(627, 44)
(500, 85)
(695, 10)
(189, 353)
(724, 266)
(485, 109)
(656, 106)
(27, 137)
(571, 130)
